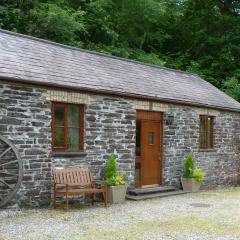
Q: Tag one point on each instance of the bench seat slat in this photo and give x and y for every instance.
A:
(78, 191)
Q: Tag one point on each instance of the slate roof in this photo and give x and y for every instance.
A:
(28, 59)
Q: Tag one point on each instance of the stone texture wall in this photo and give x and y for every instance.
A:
(220, 165)
(109, 129)
(25, 119)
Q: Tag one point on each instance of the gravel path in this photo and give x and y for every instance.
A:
(205, 215)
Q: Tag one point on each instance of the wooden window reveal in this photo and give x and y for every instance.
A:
(206, 131)
(67, 127)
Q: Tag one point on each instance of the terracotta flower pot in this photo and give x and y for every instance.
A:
(117, 194)
(190, 184)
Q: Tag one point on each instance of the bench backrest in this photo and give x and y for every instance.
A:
(80, 176)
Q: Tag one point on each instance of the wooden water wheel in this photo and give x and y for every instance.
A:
(11, 171)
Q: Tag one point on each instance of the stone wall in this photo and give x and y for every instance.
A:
(109, 129)
(220, 165)
(25, 119)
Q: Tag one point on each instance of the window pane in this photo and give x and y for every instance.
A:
(59, 115)
(210, 132)
(203, 140)
(73, 115)
(203, 125)
(203, 129)
(138, 138)
(59, 137)
(151, 138)
(73, 138)
(206, 131)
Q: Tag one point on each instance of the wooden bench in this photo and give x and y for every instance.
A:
(75, 181)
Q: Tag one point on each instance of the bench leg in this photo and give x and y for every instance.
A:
(66, 200)
(92, 199)
(54, 200)
(54, 197)
(105, 198)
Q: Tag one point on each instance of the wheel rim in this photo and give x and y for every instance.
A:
(11, 171)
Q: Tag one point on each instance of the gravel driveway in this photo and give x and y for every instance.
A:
(204, 215)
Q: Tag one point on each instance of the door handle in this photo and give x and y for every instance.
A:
(159, 157)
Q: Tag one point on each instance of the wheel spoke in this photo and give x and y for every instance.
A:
(3, 164)
(11, 171)
(2, 181)
(8, 149)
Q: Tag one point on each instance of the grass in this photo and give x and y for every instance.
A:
(171, 227)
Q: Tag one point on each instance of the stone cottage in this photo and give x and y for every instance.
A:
(62, 106)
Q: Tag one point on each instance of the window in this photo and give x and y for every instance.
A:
(67, 127)
(151, 138)
(206, 131)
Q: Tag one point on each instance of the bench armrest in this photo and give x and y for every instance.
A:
(60, 184)
(103, 183)
(99, 181)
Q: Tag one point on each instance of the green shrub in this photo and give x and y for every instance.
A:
(119, 179)
(189, 166)
(112, 177)
(190, 171)
(198, 174)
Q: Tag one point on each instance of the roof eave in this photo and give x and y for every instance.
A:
(117, 93)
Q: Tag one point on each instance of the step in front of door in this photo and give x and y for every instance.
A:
(155, 195)
(141, 191)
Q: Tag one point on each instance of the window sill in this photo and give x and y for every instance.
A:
(207, 150)
(69, 154)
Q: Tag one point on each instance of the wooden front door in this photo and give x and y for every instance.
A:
(150, 152)
(149, 149)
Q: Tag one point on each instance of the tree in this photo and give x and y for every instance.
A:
(232, 87)
(50, 21)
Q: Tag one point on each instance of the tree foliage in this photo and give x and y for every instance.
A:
(200, 36)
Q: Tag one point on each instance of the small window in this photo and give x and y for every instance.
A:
(206, 131)
(67, 127)
(151, 138)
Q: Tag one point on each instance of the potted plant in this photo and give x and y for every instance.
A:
(192, 177)
(116, 181)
